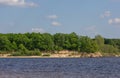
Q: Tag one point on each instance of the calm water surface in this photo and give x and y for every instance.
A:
(60, 68)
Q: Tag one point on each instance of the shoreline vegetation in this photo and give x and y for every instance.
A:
(40, 45)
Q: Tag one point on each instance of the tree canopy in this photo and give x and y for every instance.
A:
(46, 42)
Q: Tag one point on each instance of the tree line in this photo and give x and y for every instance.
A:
(35, 42)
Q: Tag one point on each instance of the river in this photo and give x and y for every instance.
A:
(108, 67)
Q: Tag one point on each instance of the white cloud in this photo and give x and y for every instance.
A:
(114, 21)
(54, 23)
(106, 14)
(20, 3)
(52, 16)
(37, 30)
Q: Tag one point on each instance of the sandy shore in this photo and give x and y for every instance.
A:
(62, 54)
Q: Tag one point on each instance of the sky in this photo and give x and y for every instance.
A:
(84, 17)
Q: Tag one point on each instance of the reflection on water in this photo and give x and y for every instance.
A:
(60, 68)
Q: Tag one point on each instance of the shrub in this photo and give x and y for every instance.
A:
(27, 53)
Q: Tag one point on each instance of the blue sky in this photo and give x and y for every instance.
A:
(85, 17)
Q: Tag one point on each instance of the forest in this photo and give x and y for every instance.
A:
(35, 43)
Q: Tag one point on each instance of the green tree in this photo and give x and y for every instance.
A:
(4, 43)
(14, 46)
(88, 45)
(47, 42)
(59, 40)
(36, 40)
(100, 41)
(22, 48)
(73, 39)
(66, 43)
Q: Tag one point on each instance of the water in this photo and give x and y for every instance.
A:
(60, 68)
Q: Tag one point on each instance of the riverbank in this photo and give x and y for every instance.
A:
(65, 54)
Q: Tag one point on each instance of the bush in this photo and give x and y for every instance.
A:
(17, 54)
(109, 49)
(28, 53)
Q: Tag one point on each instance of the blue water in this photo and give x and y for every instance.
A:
(60, 68)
